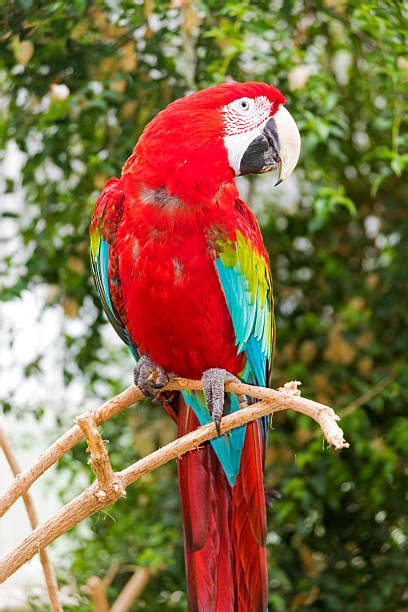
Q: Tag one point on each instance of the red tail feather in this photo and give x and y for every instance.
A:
(224, 527)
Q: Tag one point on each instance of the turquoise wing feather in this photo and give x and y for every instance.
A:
(246, 281)
(247, 286)
(106, 217)
(227, 448)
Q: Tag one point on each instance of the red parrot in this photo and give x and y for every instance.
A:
(184, 278)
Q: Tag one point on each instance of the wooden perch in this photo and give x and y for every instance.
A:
(110, 486)
(99, 459)
(97, 589)
(132, 589)
(24, 480)
(49, 576)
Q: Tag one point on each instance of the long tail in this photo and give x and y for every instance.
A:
(224, 525)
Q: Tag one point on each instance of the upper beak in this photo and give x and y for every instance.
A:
(278, 146)
(287, 139)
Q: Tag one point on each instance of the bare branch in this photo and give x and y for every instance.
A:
(50, 580)
(132, 589)
(90, 501)
(61, 446)
(111, 573)
(96, 588)
(99, 459)
(131, 395)
(367, 396)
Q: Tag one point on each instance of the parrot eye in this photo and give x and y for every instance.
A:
(245, 114)
(243, 106)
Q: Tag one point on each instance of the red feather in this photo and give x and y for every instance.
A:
(162, 220)
(224, 527)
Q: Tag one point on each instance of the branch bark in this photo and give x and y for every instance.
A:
(132, 589)
(131, 395)
(99, 459)
(25, 479)
(91, 500)
(96, 589)
(49, 576)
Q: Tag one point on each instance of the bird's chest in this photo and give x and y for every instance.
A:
(175, 307)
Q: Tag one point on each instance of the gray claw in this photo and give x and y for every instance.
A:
(149, 377)
(214, 380)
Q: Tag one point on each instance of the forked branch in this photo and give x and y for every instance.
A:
(114, 406)
(110, 485)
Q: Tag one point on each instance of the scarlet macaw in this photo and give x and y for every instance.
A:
(184, 278)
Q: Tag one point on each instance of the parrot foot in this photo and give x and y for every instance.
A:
(149, 377)
(214, 380)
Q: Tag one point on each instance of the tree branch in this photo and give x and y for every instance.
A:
(131, 395)
(91, 500)
(99, 459)
(132, 589)
(25, 479)
(49, 576)
(96, 588)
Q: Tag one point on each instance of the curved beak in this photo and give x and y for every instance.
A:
(278, 146)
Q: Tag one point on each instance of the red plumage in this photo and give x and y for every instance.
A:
(224, 527)
(162, 221)
(182, 323)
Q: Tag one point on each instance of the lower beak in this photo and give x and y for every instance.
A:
(277, 147)
(271, 134)
(262, 154)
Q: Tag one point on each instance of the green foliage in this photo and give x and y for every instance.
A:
(80, 80)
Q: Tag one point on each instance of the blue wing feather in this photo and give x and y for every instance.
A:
(227, 448)
(100, 268)
(241, 275)
(251, 321)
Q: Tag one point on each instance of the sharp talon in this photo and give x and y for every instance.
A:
(149, 377)
(213, 384)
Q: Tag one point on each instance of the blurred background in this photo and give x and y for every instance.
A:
(79, 80)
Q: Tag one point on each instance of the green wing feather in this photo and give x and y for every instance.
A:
(246, 281)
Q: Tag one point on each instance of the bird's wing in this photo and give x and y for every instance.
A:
(224, 510)
(106, 218)
(243, 269)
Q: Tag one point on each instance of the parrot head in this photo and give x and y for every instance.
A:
(205, 139)
(260, 134)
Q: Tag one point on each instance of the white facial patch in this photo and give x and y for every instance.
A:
(236, 146)
(243, 119)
